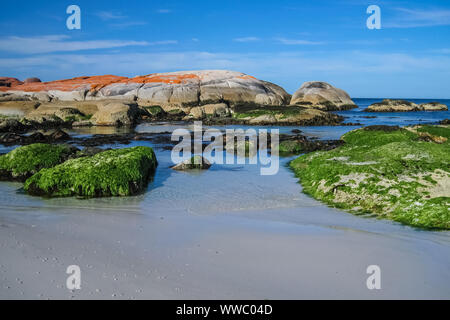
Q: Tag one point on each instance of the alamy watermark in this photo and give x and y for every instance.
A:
(373, 282)
(239, 145)
(374, 20)
(73, 22)
(73, 281)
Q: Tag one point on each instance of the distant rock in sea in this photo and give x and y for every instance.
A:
(390, 105)
(323, 96)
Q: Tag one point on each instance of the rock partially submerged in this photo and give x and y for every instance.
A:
(120, 172)
(391, 173)
(195, 163)
(11, 138)
(298, 144)
(390, 105)
(322, 95)
(23, 162)
(285, 115)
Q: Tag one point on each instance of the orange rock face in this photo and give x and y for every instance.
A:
(6, 82)
(93, 83)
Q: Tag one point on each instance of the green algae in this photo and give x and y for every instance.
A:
(120, 172)
(390, 174)
(23, 162)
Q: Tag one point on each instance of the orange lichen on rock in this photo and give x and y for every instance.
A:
(92, 83)
(246, 77)
(6, 82)
(158, 78)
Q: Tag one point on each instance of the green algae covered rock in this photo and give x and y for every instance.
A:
(394, 173)
(23, 162)
(120, 172)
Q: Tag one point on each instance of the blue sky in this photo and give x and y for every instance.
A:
(285, 42)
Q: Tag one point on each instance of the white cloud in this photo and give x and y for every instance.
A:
(108, 15)
(61, 43)
(297, 42)
(164, 11)
(414, 18)
(247, 39)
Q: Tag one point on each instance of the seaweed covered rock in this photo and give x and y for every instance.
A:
(323, 96)
(392, 174)
(23, 162)
(119, 172)
(295, 145)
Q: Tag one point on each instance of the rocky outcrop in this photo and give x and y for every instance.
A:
(116, 114)
(209, 110)
(323, 96)
(9, 82)
(433, 106)
(390, 105)
(286, 115)
(195, 163)
(184, 88)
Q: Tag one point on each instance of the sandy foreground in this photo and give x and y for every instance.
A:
(288, 253)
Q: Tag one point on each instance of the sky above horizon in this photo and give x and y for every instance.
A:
(284, 42)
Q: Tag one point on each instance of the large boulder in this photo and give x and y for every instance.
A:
(182, 89)
(323, 96)
(32, 80)
(116, 114)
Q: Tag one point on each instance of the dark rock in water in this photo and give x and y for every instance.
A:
(445, 122)
(58, 135)
(90, 151)
(292, 145)
(10, 138)
(382, 128)
(35, 138)
(369, 117)
(196, 162)
(12, 125)
(296, 131)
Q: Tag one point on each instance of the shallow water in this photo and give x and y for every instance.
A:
(237, 187)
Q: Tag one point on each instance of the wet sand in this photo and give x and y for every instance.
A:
(291, 253)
